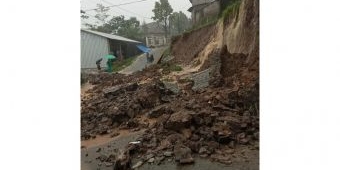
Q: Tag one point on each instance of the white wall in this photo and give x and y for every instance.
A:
(93, 47)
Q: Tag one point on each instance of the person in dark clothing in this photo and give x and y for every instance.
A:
(151, 58)
(147, 57)
(98, 63)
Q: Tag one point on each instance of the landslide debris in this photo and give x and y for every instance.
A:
(207, 113)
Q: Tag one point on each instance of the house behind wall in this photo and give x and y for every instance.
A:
(155, 35)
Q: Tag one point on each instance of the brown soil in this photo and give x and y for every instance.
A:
(188, 46)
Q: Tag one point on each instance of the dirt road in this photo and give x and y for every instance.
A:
(141, 63)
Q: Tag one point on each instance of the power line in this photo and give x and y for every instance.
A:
(127, 10)
(117, 5)
(134, 13)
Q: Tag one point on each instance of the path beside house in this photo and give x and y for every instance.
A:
(140, 63)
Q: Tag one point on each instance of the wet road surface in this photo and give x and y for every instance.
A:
(140, 63)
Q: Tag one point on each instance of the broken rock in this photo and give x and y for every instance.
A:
(183, 154)
(151, 160)
(179, 120)
(138, 164)
(220, 158)
(168, 153)
(159, 110)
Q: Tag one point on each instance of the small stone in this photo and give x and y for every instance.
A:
(158, 160)
(169, 160)
(230, 151)
(151, 160)
(102, 158)
(149, 156)
(222, 159)
(168, 153)
(244, 141)
(203, 150)
(138, 164)
(243, 152)
(186, 160)
(108, 164)
(232, 144)
(204, 155)
(195, 137)
(244, 125)
(99, 149)
(114, 134)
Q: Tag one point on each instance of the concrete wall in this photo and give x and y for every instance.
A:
(212, 10)
(155, 40)
(93, 47)
(203, 9)
(198, 2)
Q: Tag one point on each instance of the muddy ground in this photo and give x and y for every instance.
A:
(176, 125)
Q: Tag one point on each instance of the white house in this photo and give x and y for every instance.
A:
(96, 45)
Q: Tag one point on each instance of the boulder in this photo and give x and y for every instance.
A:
(179, 120)
(159, 110)
(183, 154)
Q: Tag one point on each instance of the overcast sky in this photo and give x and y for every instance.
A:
(142, 10)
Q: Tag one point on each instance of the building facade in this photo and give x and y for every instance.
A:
(204, 9)
(155, 35)
(96, 45)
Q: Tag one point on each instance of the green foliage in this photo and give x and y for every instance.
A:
(162, 11)
(124, 27)
(178, 22)
(170, 67)
(83, 15)
(175, 68)
(232, 8)
(120, 65)
(166, 52)
(101, 13)
(203, 23)
(130, 28)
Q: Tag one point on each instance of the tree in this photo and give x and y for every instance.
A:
(101, 13)
(83, 15)
(119, 25)
(101, 16)
(162, 11)
(130, 28)
(179, 22)
(112, 26)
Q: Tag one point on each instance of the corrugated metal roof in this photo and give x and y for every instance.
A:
(111, 36)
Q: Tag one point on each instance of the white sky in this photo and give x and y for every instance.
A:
(142, 10)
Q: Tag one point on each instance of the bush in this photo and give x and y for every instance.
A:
(120, 65)
(170, 67)
(232, 8)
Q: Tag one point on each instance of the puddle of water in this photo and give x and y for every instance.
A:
(89, 154)
(105, 139)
